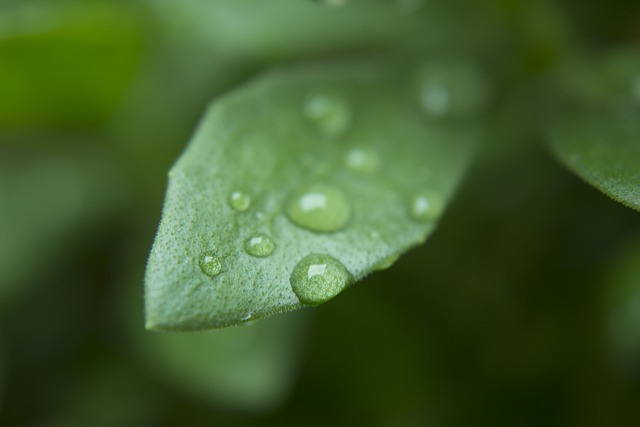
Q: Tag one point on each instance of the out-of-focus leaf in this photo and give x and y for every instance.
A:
(65, 62)
(623, 309)
(48, 203)
(296, 185)
(596, 131)
(257, 31)
(249, 368)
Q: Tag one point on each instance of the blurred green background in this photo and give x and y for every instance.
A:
(522, 309)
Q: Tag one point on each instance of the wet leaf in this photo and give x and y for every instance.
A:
(337, 164)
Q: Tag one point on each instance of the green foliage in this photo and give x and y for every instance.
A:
(337, 133)
(303, 157)
(596, 131)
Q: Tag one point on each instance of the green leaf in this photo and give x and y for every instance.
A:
(328, 171)
(597, 129)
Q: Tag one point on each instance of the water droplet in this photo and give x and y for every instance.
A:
(386, 263)
(318, 278)
(331, 113)
(210, 265)
(319, 207)
(239, 201)
(452, 90)
(426, 206)
(259, 246)
(363, 160)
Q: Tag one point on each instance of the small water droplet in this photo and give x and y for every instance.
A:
(363, 160)
(386, 263)
(319, 207)
(426, 206)
(239, 201)
(259, 246)
(330, 113)
(452, 90)
(210, 265)
(436, 100)
(318, 278)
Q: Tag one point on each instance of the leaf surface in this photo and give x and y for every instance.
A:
(597, 133)
(295, 186)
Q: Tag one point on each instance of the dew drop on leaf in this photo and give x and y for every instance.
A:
(426, 206)
(363, 160)
(210, 265)
(329, 112)
(319, 207)
(239, 201)
(259, 246)
(318, 278)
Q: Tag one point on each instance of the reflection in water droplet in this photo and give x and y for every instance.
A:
(239, 201)
(318, 278)
(330, 113)
(450, 89)
(259, 245)
(210, 264)
(363, 160)
(320, 207)
(426, 206)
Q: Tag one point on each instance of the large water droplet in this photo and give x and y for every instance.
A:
(210, 264)
(319, 207)
(330, 113)
(426, 206)
(318, 278)
(452, 90)
(259, 246)
(363, 160)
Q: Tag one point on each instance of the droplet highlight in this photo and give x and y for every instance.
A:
(426, 206)
(321, 208)
(210, 264)
(366, 161)
(329, 112)
(259, 246)
(318, 278)
(239, 201)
